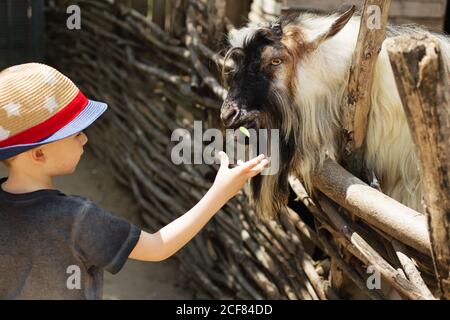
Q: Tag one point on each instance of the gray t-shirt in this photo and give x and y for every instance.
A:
(56, 246)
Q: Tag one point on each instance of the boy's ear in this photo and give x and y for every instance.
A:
(37, 154)
(335, 27)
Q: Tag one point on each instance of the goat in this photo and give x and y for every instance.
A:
(292, 74)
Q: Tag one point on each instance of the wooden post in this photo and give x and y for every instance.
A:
(140, 6)
(216, 20)
(123, 2)
(237, 11)
(355, 112)
(178, 18)
(424, 87)
(159, 13)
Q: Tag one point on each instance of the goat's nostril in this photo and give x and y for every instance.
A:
(230, 115)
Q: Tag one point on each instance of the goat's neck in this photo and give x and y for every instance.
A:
(322, 78)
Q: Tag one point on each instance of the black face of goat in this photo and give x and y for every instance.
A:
(251, 101)
(263, 81)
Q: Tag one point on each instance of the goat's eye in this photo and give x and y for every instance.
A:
(230, 71)
(276, 62)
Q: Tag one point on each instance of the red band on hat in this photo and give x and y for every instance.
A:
(49, 126)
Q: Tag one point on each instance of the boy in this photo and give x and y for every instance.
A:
(46, 235)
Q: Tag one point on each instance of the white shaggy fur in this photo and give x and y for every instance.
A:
(322, 78)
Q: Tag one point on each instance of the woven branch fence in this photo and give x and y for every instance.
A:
(155, 82)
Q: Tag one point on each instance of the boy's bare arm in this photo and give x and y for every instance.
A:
(171, 238)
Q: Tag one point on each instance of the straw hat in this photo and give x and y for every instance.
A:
(38, 105)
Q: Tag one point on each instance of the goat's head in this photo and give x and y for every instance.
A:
(263, 90)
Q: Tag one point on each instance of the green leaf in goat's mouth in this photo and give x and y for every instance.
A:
(244, 131)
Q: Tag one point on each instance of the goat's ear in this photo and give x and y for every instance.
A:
(335, 27)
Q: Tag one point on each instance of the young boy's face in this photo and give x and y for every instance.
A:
(62, 156)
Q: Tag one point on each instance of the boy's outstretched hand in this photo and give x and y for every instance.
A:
(172, 237)
(230, 181)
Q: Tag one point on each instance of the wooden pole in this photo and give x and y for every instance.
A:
(372, 257)
(423, 84)
(237, 11)
(356, 109)
(140, 6)
(410, 270)
(355, 112)
(372, 206)
(216, 10)
(159, 13)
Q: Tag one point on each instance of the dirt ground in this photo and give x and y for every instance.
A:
(137, 280)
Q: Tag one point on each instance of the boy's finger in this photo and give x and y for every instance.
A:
(258, 168)
(239, 162)
(224, 161)
(253, 162)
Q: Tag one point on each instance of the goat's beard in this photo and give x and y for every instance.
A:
(269, 193)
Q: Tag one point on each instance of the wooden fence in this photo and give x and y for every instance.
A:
(158, 80)
(430, 14)
(21, 31)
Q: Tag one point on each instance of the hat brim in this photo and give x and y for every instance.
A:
(92, 111)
